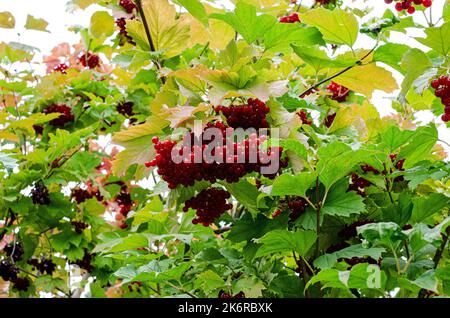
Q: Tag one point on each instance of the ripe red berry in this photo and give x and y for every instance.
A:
(388, 1)
(399, 6)
(90, 60)
(427, 3)
(62, 68)
(411, 10)
(250, 115)
(128, 5)
(339, 92)
(446, 117)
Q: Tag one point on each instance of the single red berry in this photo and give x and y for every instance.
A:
(427, 3)
(411, 10)
(399, 6)
(445, 118)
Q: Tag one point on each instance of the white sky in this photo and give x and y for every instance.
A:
(54, 12)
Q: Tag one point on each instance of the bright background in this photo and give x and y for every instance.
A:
(56, 13)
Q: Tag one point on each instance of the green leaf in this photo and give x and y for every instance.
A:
(248, 228)
(245, 193)
(391, 54)
(385, 233)
(36, 24)
(246, 22)
(357, 250)
(337, 160)
(330, 278)
(196, 8)
(425, 207)
(437, 39)
(420, 145)
(102, 24)
(287, 184)
(339, 202)
(281, 36)
(7, 20)
(251, 287)
(280, 241)
(366, 276)
(337, 26)
(295, 146)
(414, 63)
(319, 59)
(208, 281)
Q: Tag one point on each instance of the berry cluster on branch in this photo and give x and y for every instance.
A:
(123, 33)
(252, 115)
(44, 266)
(441, 87)
(62, 68)
(40, 194)
(409, 5)
(228, 168)
(209, 204)
(89, 59)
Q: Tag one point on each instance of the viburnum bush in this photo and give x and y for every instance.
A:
(357, 204)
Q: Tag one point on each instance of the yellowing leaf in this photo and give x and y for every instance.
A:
(179, 115)
(367, 78)
(168, 34)
(102, 24)
(36, 24)
(7, 20)
(137, 141)
(364, 118)
(337, 26)
(199, 34)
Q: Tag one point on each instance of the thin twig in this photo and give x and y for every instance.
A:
(338, 73)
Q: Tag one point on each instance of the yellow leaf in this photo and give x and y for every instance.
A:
(365, 79)
(7, 20)
(169, 34)
(137, 141)
(36, 24)
(8, 136)
(365, 118)
(164, 98)
(181, 114)
(337, 26)
(102, 24)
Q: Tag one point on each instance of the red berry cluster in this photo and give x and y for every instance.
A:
(81, 195)
(408, 5)
(62, 68)
(358, 184)
(223, 294)
(349, 231)
(86, 262)
(128, 5)
(292, 18)
(134, 286)
(329, 120)
(79, 226)
(297, 205)
(125, 108)
(229, 169)
(339, 92)
(65, 117)
(43, 266)
(304, 117)
(210, 204)
(123, 199)
(121, 23)
(40, 194)
(90, 60)
(252, 115)
(442, 90)
(8, 271)
(14, 251)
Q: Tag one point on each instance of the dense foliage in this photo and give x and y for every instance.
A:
(91, 203)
